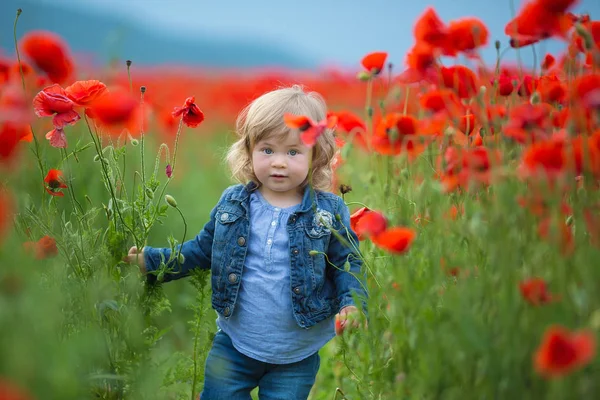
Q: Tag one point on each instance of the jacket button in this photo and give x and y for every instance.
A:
(293, 219)
(224, 216)
(226, 311)
(297, 290)
(233, 278)
(241, 241)
(295, 252)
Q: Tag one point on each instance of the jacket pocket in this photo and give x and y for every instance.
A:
(225, 225)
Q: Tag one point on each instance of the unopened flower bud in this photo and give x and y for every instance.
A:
(143, 89)
(180, 258)
(96, 158)
(363, 76)
(128, 63)
(497, 44)
(345, 189)
(588, 40)
(135, 142)
(149, 193)
(313, 253)
(170, 200)
(535, 98)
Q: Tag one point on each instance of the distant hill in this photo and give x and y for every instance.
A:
(107, 38)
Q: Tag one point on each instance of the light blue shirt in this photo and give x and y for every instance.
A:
(263, 326)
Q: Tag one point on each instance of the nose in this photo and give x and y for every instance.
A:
(278, 162)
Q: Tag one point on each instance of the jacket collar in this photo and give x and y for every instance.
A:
(243, 193)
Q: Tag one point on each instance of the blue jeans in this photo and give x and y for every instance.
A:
(230, 375)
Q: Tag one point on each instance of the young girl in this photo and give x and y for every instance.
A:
(278, 273)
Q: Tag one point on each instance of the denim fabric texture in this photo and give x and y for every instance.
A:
(230, 375)
(263, 325)
(319, 287)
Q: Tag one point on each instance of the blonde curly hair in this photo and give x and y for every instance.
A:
(263, 119)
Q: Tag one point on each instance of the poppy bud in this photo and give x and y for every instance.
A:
(497, 44)
(149, 193)
(595, 320)
(313, 252)
(143, 89)
(535, 98)
(96, 158)
(363, 76)
(588, 40)
(128, 63)
(135, 142)
(345, 189)
(170, 201)
(180, 258)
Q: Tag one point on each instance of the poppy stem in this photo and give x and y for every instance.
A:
(36, 150)
(184, 234)
(175, 146)
(110, 186)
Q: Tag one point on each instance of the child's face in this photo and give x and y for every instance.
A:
(281, 165)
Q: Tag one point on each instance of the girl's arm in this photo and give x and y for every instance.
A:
(196, 252)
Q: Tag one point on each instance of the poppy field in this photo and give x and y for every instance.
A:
(473, 189)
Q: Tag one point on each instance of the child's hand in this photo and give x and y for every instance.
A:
(136, 257)
(348, 315)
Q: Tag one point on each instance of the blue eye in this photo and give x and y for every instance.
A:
(293, 152)
(268, 151)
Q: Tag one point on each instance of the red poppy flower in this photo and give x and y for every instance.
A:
(370, 223)
(49, 53)
(460, 79)
(6, 206)
(374, 62)
(355, 217)
(53, 101)
(352, 125)
(430, 29)
(562, 352)
(548, 61)
(10, 391)
(396, 133)
(43, 248)
(54, 183)
(57, 138)
(535, 291)
(465, 35)
(504, 84)
(535, 22)
(395, 240)
(421, 62)
(83, 93)
(115, 110)
(529, 123)
(309, 130)
(192, 115)
(10, 136)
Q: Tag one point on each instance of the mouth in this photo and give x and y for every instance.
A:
(278, 176)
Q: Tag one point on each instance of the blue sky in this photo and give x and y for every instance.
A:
(333, 32)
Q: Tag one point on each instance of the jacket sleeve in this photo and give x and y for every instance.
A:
(197, 253)
(342, 254)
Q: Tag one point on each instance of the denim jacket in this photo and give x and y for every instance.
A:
(318, 289)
